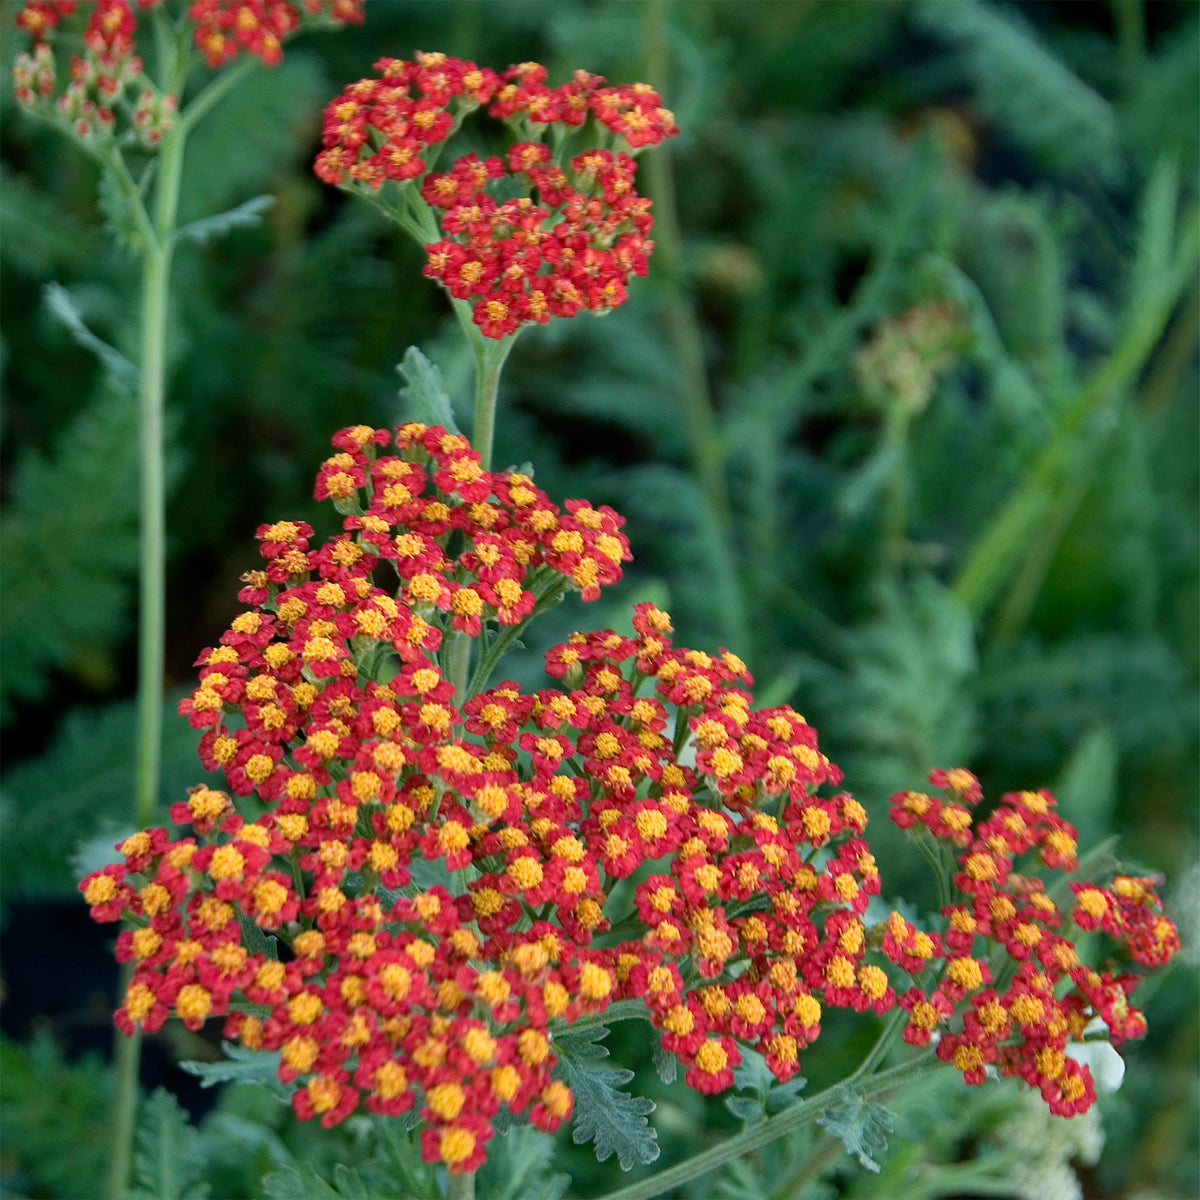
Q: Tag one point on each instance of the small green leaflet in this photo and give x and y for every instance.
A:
(861, 1125)
(665, 1063)
(423, 395)
(115, 206)
(168, 1164)
(242, 1066)
(768, 1095)
(241, 217)
(615, 1121)
(257, 940)
(61, 303)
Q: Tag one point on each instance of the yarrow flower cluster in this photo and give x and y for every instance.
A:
(326, 701)
(438, 862)
(1049, 998)
(109, 65)
(520, 238)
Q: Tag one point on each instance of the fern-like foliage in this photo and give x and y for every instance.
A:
(37, 235)
(87, 773)
(901, 703)
(168, 1164)
(761, 1093)
(613, 1120)
(242, 216)
(304, 1182)
(50, 1106)
(68, 546)
(242, 1066)
(521, 1168)
(1025, 87)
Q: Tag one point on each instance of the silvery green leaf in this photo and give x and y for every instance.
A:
(243, 216)
(60, 302)
(423, 395)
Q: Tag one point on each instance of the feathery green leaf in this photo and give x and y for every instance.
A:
(615, 1121)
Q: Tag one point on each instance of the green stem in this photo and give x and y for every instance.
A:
(975, 1179)
(1174, 359)
(132, 194)
(1025, 589)
(458, 664)
(994, 556)
(1131, 39)
(490, 355)
(826, 1150)
(895, 498)
(156, 274)
(151, 618)
(215, 91)
(705, 442)
(491, 656)
(879, 1051)
(126, 1053)
(461, 1186)
(934, 859)
(417, 219)
(775, 1127)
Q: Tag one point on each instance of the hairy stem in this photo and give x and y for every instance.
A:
(826, 1150)
(458, 664)
(548, 595)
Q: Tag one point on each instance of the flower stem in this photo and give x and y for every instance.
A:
(705, 443)
(546, 599)
(895, 498)
(216, 91)
(489, 361)
(826, 1149)
(151, 612)
(458, 664)
(879, 1051)
(417, 218)
(775, 1127)
(461, 1186)
(156, 274)
(127, 1054)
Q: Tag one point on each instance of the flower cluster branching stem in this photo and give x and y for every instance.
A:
(780, 1125)
(490, 355)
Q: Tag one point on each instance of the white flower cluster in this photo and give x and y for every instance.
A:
(1043, 1146)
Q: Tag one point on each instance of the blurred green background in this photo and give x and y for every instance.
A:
(905, 414)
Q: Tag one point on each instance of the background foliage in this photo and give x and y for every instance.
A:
(1004, 576)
